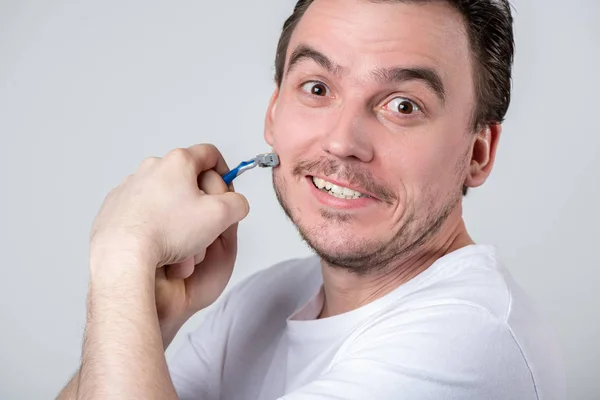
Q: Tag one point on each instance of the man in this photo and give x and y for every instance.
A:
(384, 113)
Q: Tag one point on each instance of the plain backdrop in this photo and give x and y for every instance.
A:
(89, 89)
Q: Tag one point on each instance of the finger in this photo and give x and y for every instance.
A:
(207, 156)
(229, 239)
(198, 258)
(210, 182)
(211, 277)
(219, 212)
(182, 270)
(196, 159)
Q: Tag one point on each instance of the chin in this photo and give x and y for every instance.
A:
(342, 245)
(360, 241)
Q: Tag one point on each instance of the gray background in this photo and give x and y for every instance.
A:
(88, 89)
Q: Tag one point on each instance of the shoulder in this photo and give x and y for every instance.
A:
(475, 323)
(444, 346)
(470, 277)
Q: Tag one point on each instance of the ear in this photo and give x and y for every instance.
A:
(483, 155)
(269, 117)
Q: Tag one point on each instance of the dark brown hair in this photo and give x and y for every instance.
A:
(489, 25)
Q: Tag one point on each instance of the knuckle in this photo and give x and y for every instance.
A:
(124, 182)
(148, 162)
(205, 146)
(211, 147)
(180, 156)
(206, 149)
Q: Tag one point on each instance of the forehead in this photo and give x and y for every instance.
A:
(362, 35)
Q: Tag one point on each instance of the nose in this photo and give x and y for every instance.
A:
(348, 137)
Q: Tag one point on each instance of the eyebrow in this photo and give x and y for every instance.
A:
(428, 76)
(304, 52)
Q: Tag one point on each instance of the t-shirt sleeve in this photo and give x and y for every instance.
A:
(196, 367)
(437, 352)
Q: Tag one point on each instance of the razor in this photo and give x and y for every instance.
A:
(262, 160)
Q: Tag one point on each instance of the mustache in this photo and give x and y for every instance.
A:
(354, 174)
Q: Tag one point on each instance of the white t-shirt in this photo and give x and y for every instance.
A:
(462, 329)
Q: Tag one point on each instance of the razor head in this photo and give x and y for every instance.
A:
(267, 160)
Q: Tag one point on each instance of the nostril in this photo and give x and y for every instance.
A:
(348, 147)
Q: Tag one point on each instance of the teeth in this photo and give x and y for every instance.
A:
(320, 183)
(336, 191)
(348, 192)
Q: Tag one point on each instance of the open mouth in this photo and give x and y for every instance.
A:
(337, 191)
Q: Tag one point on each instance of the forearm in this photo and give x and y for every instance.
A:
(123, 354)
(70, 391)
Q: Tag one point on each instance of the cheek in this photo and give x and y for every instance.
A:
(295, 131)
(428, 164)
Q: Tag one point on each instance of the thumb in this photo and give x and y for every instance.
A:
(237, 204)
(221, 211)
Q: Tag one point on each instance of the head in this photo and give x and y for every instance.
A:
(399, 100)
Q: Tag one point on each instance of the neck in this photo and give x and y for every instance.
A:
(346, 291)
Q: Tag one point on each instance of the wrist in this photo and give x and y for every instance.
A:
(120, 253)
(111, 270)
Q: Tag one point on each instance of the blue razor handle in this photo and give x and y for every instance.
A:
(261, 160)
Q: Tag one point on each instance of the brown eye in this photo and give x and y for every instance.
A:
(315, 88)
(319, 90)
(403, 106)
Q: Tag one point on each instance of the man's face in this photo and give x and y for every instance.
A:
(376, 98)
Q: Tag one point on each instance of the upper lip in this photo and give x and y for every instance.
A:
(347, 185)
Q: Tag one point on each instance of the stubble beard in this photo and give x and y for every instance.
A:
(376, 255)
